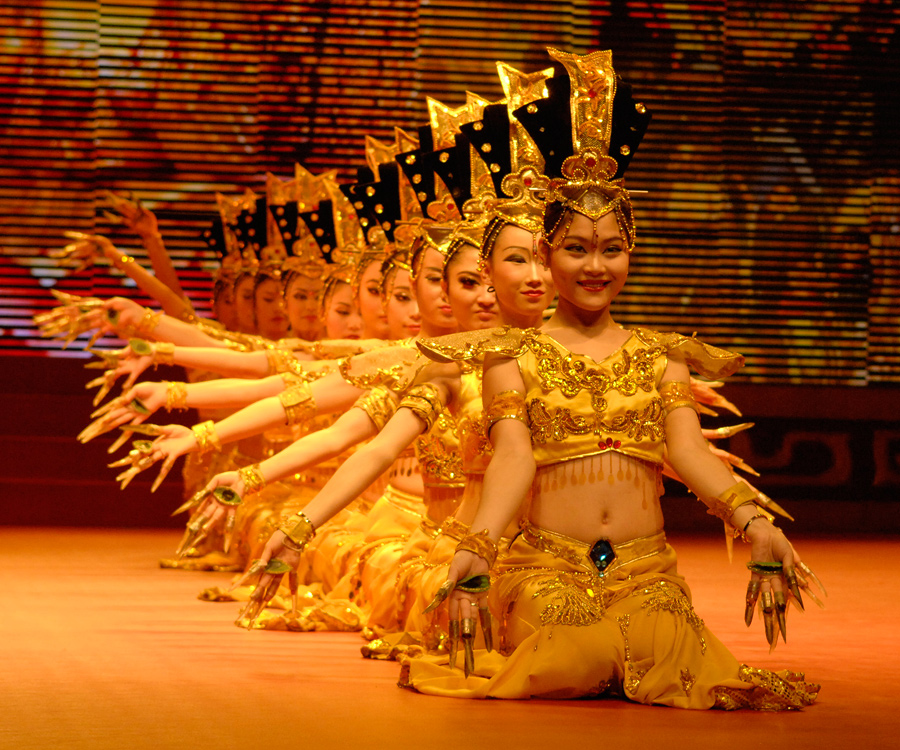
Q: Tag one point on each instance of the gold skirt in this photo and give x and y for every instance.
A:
(566, 631)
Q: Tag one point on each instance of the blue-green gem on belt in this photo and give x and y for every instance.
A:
(602, 554)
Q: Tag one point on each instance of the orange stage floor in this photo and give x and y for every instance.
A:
(102, 649)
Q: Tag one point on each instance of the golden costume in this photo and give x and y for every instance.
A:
(577, 619)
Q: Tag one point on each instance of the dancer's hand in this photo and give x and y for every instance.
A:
(467, 585)
(83, 251)
(133, 407)
(131, 213)
(276, 561)
(72, 317)
(777, 577)
(212, 509)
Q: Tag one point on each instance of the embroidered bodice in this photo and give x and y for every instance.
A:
(577, 407)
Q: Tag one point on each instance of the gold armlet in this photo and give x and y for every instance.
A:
(176, 395)
(733, 498)
(252, 478)
(505, 405)
(164, 353)
(146, 325)
(379, 404)
(298, 530)
(480, 544)
(424, 401)
(205, 434)
(299, 404)
(676, 394)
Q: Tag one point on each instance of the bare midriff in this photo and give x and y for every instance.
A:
(441, 502)
(605, 496)
(404, 475)
(471, 499)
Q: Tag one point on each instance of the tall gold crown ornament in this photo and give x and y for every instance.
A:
(590, 182)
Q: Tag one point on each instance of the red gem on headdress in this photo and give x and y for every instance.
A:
(528, 181)
(590, 161)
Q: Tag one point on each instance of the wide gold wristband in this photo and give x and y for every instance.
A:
(480, 544)
(176, 395)
(733, 498)
(298, 530)
(164, 353)
(206, 436)
(252, 478)
(146, 325)
(280, 361)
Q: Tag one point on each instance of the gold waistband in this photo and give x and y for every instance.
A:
(576, 552)
(404, 501)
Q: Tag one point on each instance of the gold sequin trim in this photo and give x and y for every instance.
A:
(572, 602)
(767, 691)
(687, 681)
(664, 596)
(440, 460)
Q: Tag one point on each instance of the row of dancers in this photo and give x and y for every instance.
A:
(421, 422)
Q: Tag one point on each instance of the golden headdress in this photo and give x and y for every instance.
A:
(605, 127)
(513, 160)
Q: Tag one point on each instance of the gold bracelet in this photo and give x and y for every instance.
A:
(480, 544)
(176, 395)
(298, 530)
(125, 259)
(147, 325)
(206, 436)
(280, 361)
(252, 478)
(164, 353)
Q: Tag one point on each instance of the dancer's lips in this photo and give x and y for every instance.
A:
(534, 293)
(594, 286)
(446, 310)
(486, 315)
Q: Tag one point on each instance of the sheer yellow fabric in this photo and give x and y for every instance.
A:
(566, 632)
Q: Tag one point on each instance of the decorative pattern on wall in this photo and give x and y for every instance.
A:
(771, 222)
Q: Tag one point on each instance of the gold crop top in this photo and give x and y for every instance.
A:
(438, 453)
(474, 445)
(577, 407)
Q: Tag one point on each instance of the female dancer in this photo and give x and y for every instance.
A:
(580, 414)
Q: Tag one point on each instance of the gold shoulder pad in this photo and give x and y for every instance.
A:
(471, 346)
(394, 367)
(708, 361)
